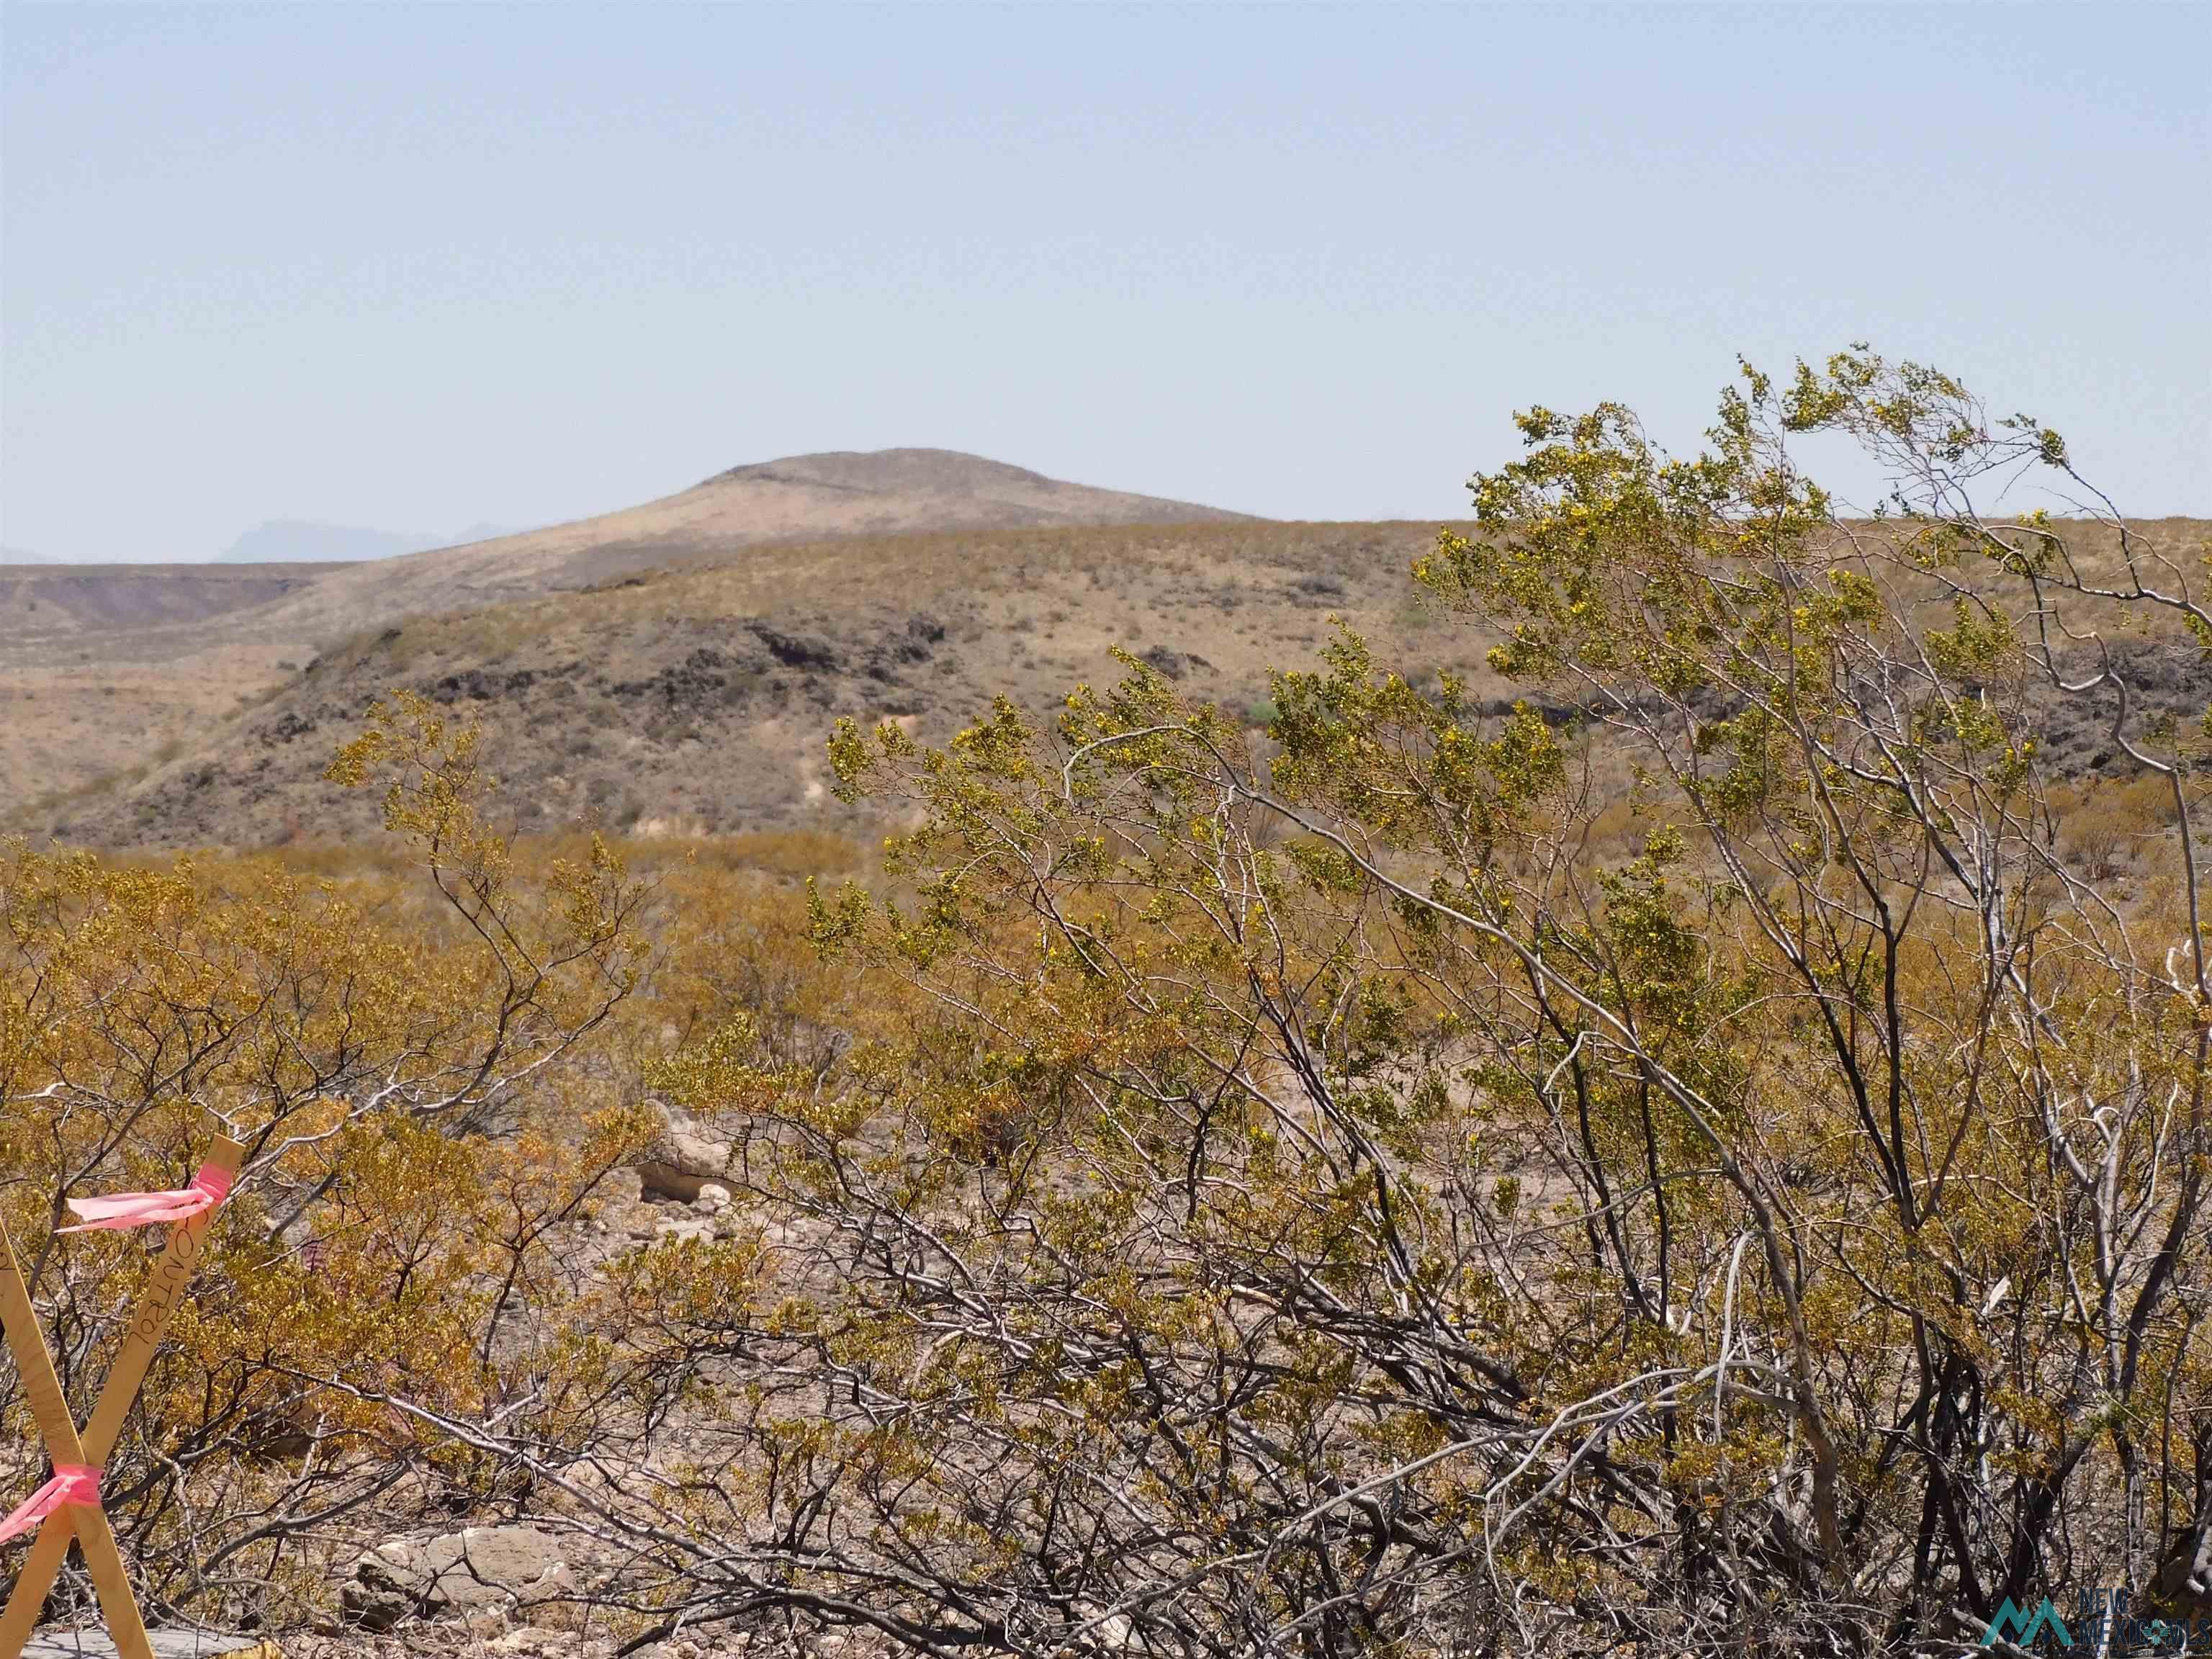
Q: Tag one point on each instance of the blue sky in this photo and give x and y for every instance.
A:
(416, 267)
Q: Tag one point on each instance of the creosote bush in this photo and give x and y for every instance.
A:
(378, 1246)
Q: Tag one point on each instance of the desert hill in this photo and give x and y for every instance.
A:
(306, 603)
(107, 670)
(801, 498)
(698, 698)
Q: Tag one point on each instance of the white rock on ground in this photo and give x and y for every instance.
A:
(681, 1159)
(479, 1569)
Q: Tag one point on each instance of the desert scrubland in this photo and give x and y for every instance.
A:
(1031, 1072)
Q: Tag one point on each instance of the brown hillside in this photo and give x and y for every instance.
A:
(105, 666)
(67, 605)
(802, 497)
(701, 698)
(107, 671)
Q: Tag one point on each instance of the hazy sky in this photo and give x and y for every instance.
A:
(415, 267)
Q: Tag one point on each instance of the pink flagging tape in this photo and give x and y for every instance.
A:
(210, 1185)
(73, 1483)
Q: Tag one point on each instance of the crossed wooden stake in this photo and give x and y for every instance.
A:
(86, 1522)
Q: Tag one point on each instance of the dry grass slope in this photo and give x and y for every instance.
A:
(801, 498)
(107, 671)
(699, 699)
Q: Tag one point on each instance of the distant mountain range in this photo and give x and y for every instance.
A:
(298, 541)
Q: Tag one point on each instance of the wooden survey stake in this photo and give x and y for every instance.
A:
(87, 1523)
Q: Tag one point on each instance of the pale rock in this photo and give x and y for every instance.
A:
(679, 1229)
(480, 1570)
(681, 1159)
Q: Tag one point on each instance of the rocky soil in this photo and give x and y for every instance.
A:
(483, 1591)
